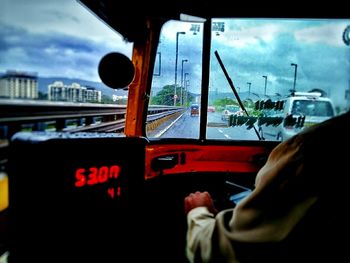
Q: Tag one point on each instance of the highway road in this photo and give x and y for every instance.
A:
(187, 126)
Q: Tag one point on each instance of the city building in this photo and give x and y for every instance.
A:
(58, 91)
(93, 95)
(19, 85)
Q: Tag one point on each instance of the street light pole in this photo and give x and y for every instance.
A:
(186, 91)
(182, 77)
(249, 83)
(295, 74)
(265, 77)
(176, 55)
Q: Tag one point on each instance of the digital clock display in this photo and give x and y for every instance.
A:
(79, 188)
(86, 177)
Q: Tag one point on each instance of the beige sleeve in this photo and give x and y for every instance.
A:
(280, 199)
(200, 225)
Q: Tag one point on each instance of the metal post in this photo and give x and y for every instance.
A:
(182, 76)
(186, 85)
(249, 84)
(295, 75)
(176, 56)
(265, 77)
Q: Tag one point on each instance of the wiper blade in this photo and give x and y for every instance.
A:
(234, 90)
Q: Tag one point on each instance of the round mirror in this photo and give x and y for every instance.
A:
(116, 70)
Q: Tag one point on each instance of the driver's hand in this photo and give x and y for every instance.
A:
(198, 199)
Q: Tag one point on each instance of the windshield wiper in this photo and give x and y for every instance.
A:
(234, 90)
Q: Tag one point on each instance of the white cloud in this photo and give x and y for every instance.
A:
(328, 33)
(170, 28)
(52, 51)
(64, 17)
(63, 33)
(244, 36)
(15, 54)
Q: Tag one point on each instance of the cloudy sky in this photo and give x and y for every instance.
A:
(251, 49)
(54, 38)
(268, 48)
(62, 38)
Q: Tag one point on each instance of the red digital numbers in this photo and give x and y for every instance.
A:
(111, 192)
(96, 175)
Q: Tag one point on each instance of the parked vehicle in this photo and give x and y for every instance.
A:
(308, 107)
(211, 109)
(231, 110)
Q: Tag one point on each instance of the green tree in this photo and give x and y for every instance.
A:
(107, 99)
(166, 96)
(221, 103)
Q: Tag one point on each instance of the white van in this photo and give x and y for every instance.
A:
(309, 107)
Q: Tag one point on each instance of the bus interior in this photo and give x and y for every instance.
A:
(118, 196)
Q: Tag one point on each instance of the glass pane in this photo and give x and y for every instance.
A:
(176, 86)
(49, 53)
(59, 44)
(275, 65)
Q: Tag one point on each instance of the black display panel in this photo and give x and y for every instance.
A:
(74, 197)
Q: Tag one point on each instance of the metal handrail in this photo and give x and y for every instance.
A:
(88, 116)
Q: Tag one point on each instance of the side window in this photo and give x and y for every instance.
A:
(176, 86)
(270, 60)
(50, 52)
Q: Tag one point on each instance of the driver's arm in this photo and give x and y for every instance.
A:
(268, 214)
